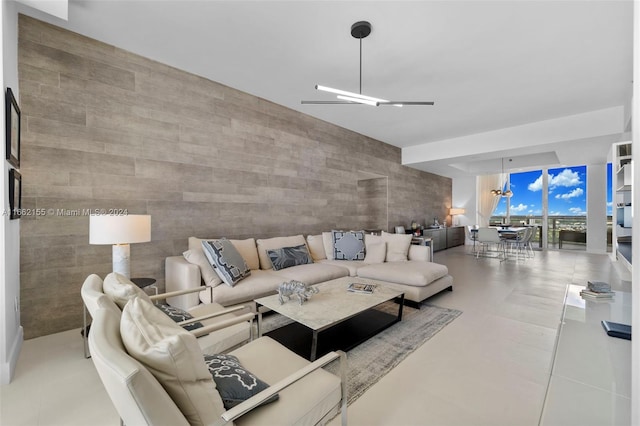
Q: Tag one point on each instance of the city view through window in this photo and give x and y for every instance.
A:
(567, 200)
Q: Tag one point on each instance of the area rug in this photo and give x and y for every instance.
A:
(371, 360)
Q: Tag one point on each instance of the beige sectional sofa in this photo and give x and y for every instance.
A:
(389, 257)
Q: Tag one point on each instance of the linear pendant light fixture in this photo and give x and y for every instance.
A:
(359, 30)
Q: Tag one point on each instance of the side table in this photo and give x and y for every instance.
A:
(145, 282)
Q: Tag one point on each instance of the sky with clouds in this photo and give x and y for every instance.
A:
(567, 193)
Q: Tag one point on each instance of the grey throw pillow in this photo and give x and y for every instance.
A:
(226, 260)
(286, 257)
(348, 245)
(234, 383)
(179, 315)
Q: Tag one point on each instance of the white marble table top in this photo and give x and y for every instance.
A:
(332, 304)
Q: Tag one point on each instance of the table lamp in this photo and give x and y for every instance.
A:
(453, 211)
(120, 231)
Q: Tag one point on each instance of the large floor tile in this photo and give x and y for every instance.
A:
(490, 366)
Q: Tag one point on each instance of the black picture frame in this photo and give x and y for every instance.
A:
(13, 129)
(15, 194)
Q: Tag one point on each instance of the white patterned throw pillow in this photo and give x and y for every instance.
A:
(227, 261)
(348, 245)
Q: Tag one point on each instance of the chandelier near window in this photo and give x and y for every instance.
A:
(499, 192)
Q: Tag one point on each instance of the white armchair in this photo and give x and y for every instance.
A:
(223, 329)
(307, 393)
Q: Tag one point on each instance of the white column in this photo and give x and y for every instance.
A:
(597, 208)
(635, 135)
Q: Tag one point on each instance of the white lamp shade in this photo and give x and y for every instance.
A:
(454, 211)
(111, 229)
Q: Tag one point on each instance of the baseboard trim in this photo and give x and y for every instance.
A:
(8, 367)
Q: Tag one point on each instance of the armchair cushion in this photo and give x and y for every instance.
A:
(234, 382)
(120, 289)
(226, 259)
(174, 358)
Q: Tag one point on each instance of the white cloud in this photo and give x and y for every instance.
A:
(536, 185)
(577, 211)
(566, 178)
(575, 193)
(519, 208)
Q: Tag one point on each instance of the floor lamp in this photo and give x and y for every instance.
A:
(120, 231)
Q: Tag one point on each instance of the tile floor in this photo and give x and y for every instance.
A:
(491, 366)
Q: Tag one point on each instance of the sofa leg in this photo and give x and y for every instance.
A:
(450, 288)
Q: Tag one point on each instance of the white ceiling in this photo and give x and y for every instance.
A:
(488, 65)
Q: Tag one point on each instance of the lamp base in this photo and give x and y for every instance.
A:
(121, 253)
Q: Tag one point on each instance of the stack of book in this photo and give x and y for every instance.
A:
(361, 288)
(597, 290)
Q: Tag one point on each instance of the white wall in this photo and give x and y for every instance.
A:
(463, 195)
(597, 208)
(10, 329)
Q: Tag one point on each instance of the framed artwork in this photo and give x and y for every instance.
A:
(15, 194)
(13, 129)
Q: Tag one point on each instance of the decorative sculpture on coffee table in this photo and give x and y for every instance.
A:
(295, 288)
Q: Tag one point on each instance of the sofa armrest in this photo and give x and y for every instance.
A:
(417, 252)
(182, 275)
(256, 400)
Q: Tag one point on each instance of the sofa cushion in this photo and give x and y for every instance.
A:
(228, 263)
(313, 273)
(351, 265)
(246, 248)
(422, 253)
(249, 252)
(316, 247)
(173, 356)
(260, 283)
(348, 245)
(409, 272)
(197, 257)
(274, 243)
(234, 382)
(327, 241)
(287, 257)
(376, 252)
(120, 289)
(397, 246)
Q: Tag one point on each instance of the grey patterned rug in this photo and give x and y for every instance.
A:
(371, 360)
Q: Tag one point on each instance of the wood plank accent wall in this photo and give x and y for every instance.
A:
(107, 129)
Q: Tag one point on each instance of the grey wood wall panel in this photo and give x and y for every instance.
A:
(105, 128)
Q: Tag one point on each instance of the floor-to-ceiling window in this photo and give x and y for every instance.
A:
(566, 202)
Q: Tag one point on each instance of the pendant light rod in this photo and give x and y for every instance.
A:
(360, 30)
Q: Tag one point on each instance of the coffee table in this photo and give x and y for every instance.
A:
(334, 318)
